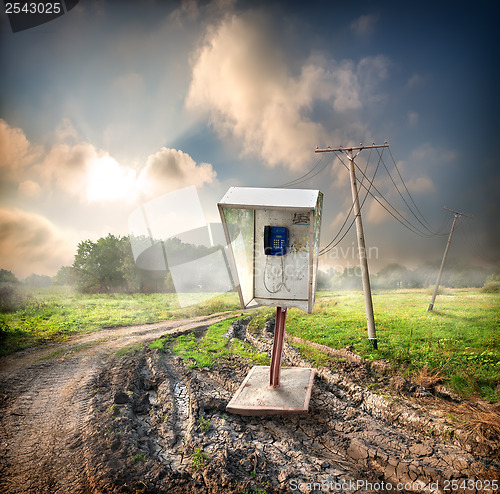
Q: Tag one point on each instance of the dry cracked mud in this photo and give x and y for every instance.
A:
(86, 419)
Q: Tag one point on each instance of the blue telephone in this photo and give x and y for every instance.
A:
(275, 240)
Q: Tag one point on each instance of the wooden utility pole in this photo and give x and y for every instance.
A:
(436, 288)
(363, 261)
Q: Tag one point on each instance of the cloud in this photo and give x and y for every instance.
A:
(376, 214)
(29, 188)
(66, 166)
(416, 80)
(242, 80)
(188, 10)
(29, 243)
(65, 130)
(364, 25)
(420, 185)
(192, 10)
(427, 153)
(91, 174)
(171, 169)
(95, 176)
(83, 171)
(129, 85)
(412, 118)
(16, 151)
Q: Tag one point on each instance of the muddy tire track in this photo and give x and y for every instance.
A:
(45, 406)
(97, 422)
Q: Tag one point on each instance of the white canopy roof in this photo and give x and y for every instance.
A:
(261, 198)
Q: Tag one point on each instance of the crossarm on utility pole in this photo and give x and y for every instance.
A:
(351, 148)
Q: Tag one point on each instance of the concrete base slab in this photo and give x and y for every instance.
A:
(256, 397)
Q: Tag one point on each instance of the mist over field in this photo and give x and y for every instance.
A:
(158, 99)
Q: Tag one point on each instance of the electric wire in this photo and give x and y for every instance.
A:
(371, 185)
(396, 213)
(406, 188)
(282, 283)
(388, 206)
(474, 244)
(408, 192)
(404, 221)
(303, 178)
(478, 243)
(324, 249)
(445, 227)
(330, 247)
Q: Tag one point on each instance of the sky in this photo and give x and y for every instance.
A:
(116, 103)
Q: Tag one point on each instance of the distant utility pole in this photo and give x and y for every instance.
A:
(457, 214)
(370, 320)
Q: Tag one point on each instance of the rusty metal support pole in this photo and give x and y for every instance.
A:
(279, 337)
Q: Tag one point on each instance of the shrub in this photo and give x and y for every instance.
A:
(3, 331)
(11, 298)
(491, 287)
(442, 290)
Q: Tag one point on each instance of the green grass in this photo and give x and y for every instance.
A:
(200, 459)
(159, 344)
(459, 339)
(56, 314)
(204, 424)
(204, 352)
(140, 457)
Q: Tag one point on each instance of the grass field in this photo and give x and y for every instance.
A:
(57, 314)
(212, 346)
(458, 342)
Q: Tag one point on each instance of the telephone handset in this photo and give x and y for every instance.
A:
(275, 240)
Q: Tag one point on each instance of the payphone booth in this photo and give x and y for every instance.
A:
(273, 239)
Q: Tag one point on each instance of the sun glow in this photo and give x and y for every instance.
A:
(107, 180)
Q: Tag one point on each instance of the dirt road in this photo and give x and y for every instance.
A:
(81, 417)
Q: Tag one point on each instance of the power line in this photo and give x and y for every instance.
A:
(388, 206)
(445, 226)
(404, 221)
(330, 246)
(406, 188)
(303, 177)
(474, 243)
(408, 192)
(407, 225)
(324, 251)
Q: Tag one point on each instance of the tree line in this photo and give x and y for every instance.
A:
(108, 265)
(104, 266)
(457, 274)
